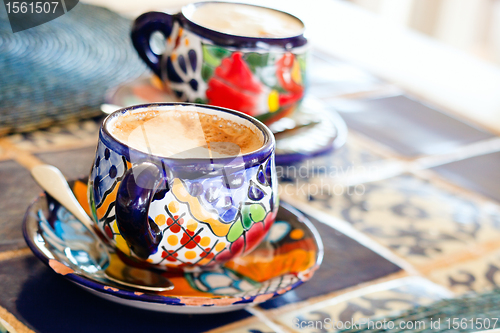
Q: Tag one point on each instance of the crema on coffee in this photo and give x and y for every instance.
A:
(184, 133)
(246, 20)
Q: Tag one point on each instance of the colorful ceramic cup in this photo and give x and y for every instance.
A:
(183, 213)
(262, 77)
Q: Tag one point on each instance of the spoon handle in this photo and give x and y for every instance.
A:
(55, 184)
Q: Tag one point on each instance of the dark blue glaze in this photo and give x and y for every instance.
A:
(194, 84)
(268, 172)
(230, 214)
(182, 63)
(132, 205)
(144, 26)
(149, 175)
(192, 59)
(261, 177)
(219, 38)
(148, 23)
(192, 168)
(171, 73)
(254, 192)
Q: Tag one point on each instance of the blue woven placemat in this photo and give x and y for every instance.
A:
(60, 71)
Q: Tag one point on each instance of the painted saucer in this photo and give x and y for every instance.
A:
(288, 257)
(327, 130)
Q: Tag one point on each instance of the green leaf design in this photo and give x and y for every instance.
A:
(302, 59)
(213, 55)
(255, 60)
(257, 213)
(200, 101)
(92, 202)
(235, 231)
(247, 220)
(252, 214)
(206, 72)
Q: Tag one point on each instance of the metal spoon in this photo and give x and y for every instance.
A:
(54, 183)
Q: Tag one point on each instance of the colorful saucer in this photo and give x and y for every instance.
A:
(288, 257)
(328, 133)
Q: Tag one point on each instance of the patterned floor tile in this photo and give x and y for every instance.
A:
(479, 173)
(477, 274)
(406, 125)
(419, 220)
(56, 137)
(75, 163)
(360, 305)
(18, 190)
(346, 263)
(350, 159)
(251, 325)
(31, 292)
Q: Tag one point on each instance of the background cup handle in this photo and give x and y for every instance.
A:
(135, 193)
(142, 29)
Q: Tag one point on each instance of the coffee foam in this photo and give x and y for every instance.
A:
(245, 20)
(184, 133)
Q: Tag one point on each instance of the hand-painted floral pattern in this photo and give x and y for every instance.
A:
(55, 231)
(193, 223)
(265, 85)
(183, 65)
(234, 86)
(203, 221)
(108, 169)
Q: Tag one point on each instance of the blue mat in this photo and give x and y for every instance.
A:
(59, 71)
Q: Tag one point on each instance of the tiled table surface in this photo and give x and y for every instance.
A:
(407, 209)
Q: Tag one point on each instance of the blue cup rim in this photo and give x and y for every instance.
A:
(226, 39)
(252, 158)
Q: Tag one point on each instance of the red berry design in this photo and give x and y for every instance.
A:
(179, 220)
(108, 231)
(175, 228)
(207, 253)
(170, 255)
(186, 239)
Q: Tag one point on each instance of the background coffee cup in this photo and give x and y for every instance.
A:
(183, 212)
(261, 76)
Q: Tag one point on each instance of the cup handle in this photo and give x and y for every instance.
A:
(135, 193)
(142, 29)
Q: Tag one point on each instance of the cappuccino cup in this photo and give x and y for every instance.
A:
(244, 57)
(183, 186)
